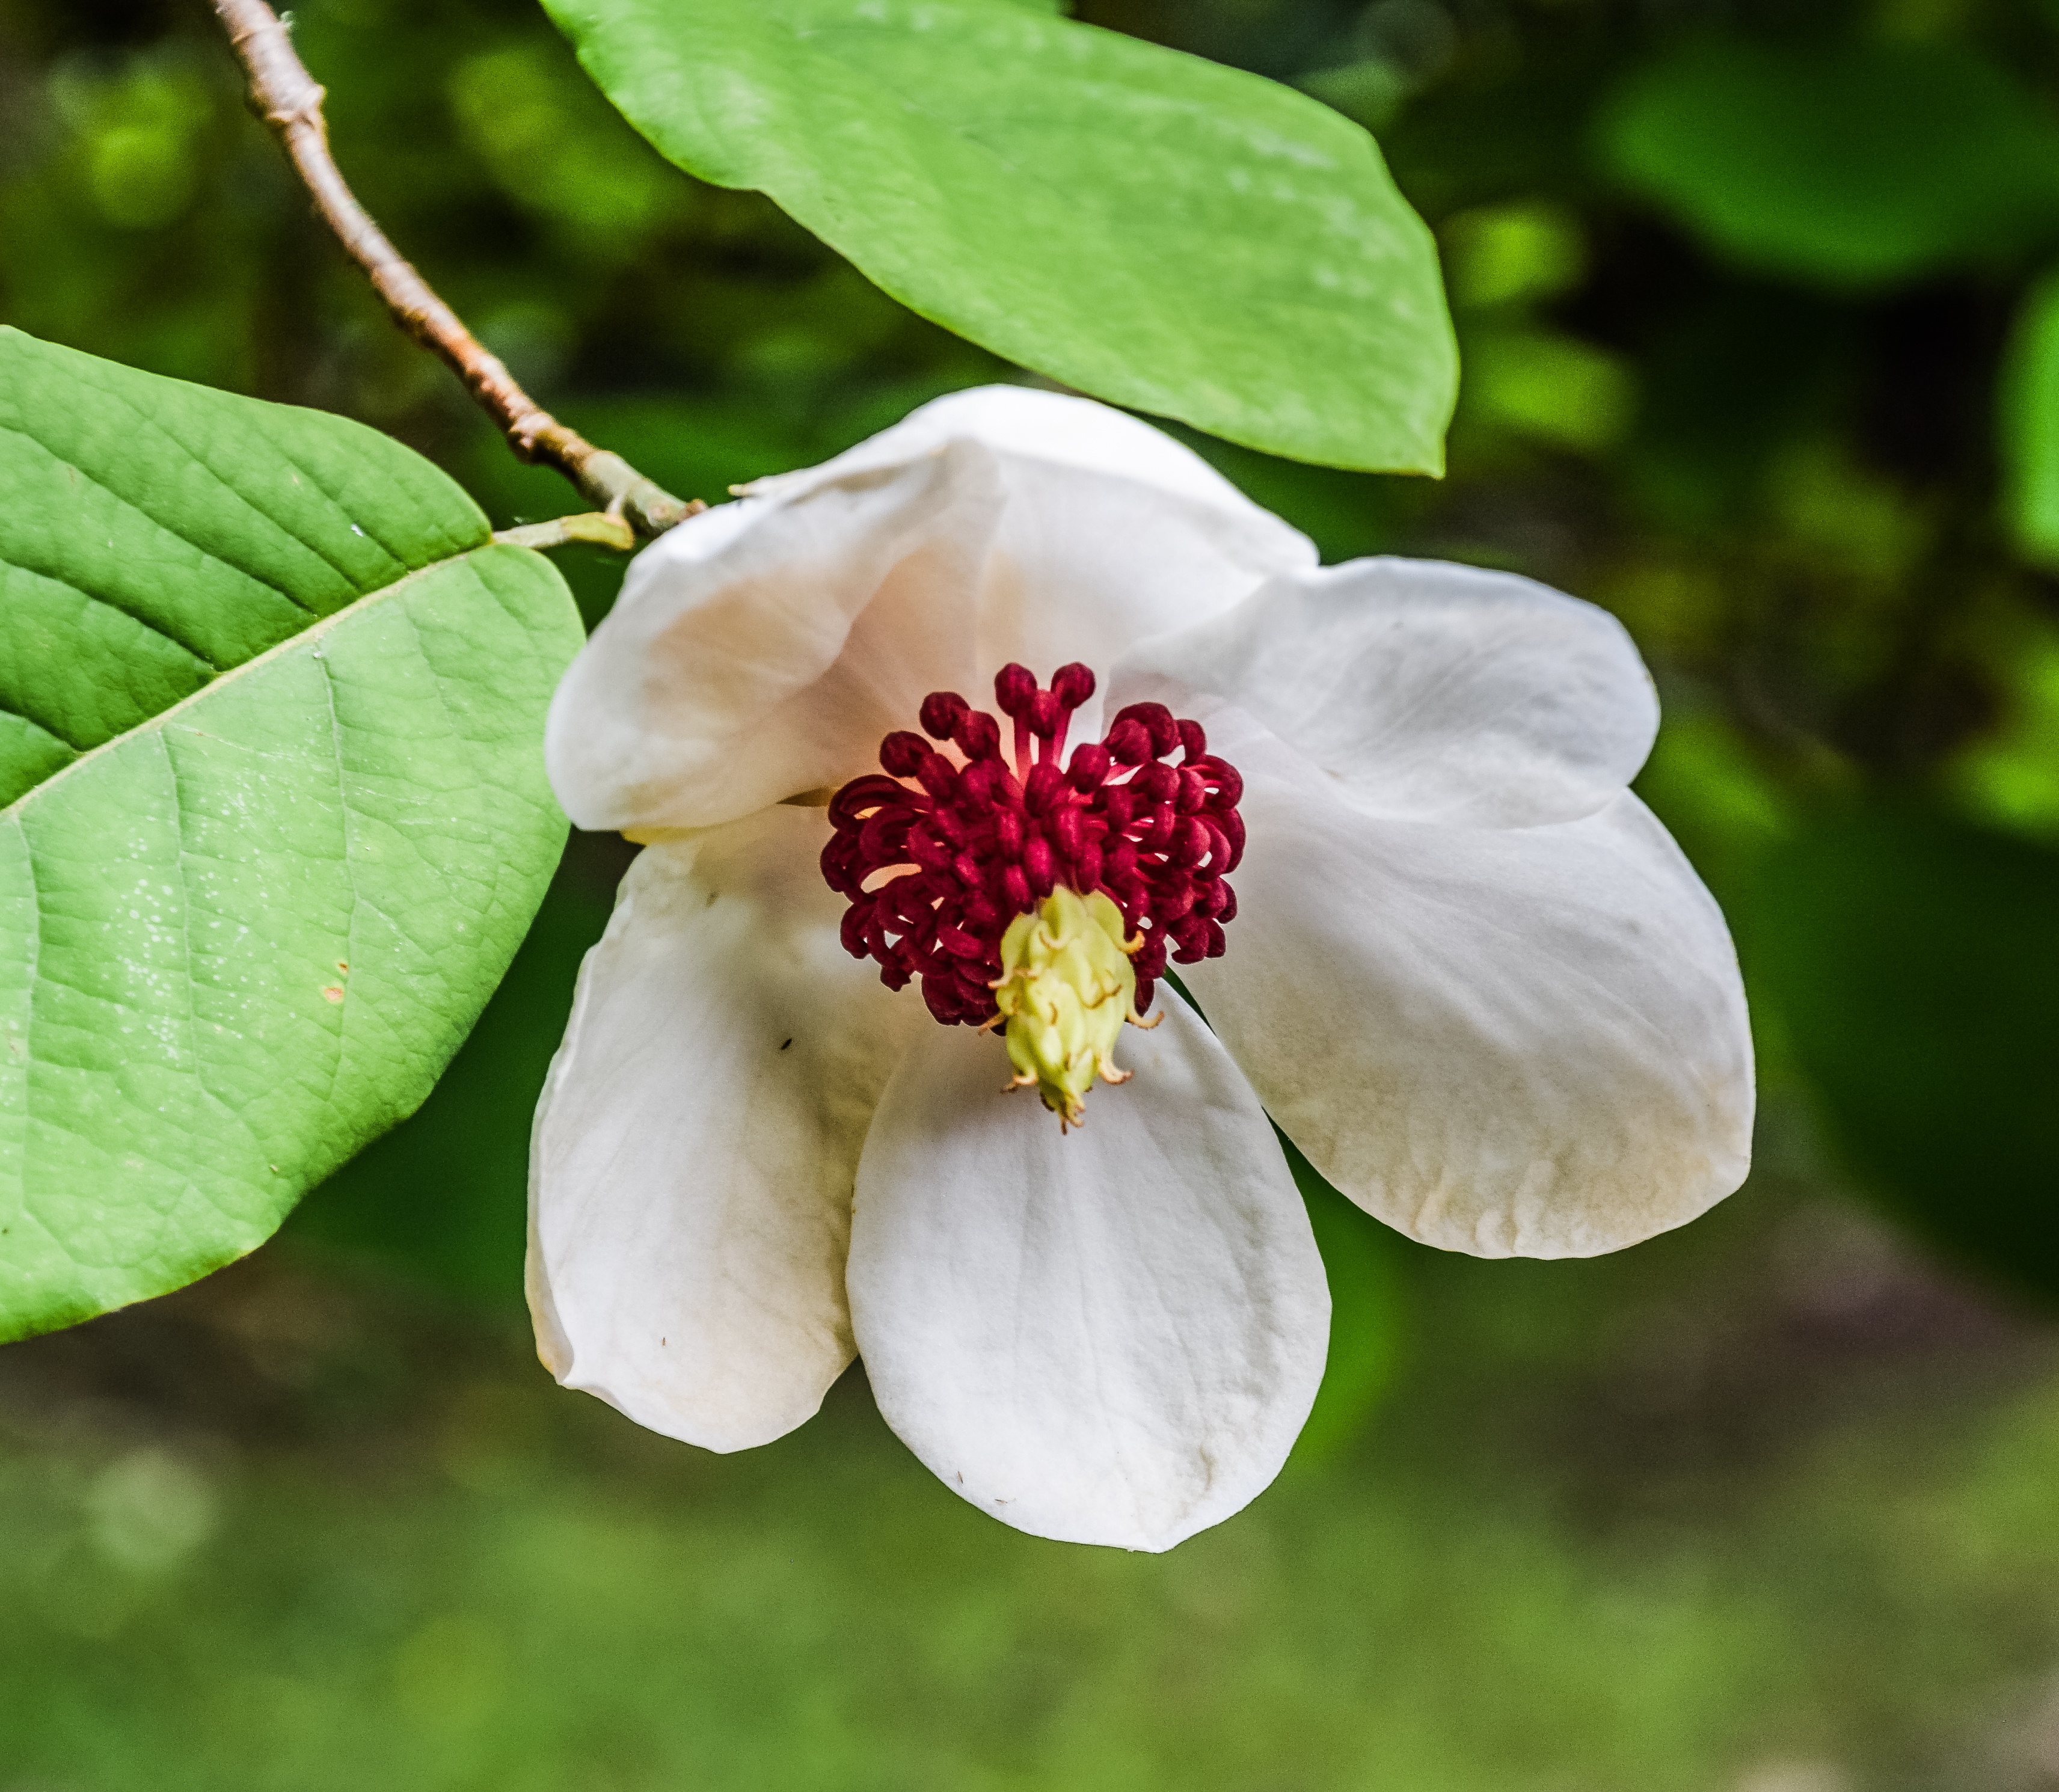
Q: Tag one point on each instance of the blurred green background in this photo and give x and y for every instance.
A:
(1759, 304)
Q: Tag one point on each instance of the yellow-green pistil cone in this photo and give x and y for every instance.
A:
(1066, 987)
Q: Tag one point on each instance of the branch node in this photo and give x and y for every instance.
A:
(307, 115)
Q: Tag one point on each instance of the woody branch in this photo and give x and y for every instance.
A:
(290, 101)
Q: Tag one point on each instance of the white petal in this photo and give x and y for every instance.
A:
(692, 1162)
(1426, 689)
(1111, 1336)
(1030, 426)
(1523, 1042)
(763, 649)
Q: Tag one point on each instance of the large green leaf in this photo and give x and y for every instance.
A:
(2028, 417)
(1148, 227)
(271, 703)
(441, 1198)
(1844, 162)
(1913, 963)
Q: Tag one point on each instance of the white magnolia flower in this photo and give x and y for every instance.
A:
(1464, 969)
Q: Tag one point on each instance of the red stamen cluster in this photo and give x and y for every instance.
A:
(940, 854)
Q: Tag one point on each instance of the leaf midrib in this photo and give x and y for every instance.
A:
(322, 626)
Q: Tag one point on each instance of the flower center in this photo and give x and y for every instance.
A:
(1066, 986)
(1015, 887)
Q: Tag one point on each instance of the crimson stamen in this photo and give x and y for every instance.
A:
(939, 855)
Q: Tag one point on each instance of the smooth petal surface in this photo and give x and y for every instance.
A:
(1526, 1042)
(691, 1169)
(1111, 1336)
(764, 648)
(1032, 427)
(1425, 689)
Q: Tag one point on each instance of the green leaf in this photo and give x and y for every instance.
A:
(442, 1197)
(2009, 774)
(1913, 963)
(1846, 163)
(1361, 1261)
(2028, 414)
(275, 813)
(1146, 226)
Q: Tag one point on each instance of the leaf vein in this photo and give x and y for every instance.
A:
(314, 632)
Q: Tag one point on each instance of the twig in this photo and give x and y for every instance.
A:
(604, 527)
(290, 100)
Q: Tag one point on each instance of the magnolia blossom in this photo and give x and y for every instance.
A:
(1377, 817)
